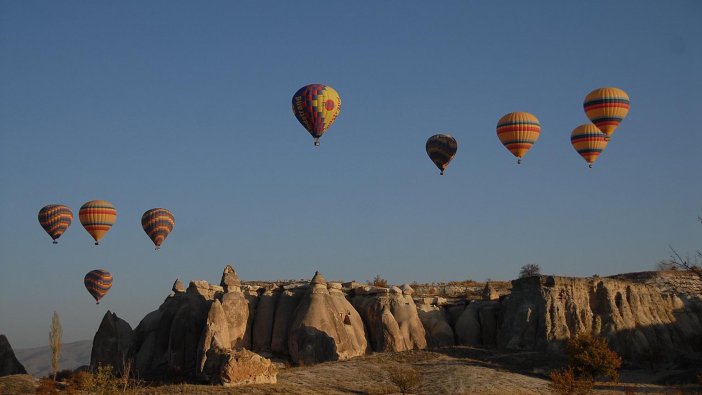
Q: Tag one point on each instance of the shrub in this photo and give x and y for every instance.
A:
(64, 375)
(590, 356)
(565, 382)
(404, 377)
(379, 281)
(529, 270)
(47, 387)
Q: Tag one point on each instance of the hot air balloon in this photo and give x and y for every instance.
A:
(441, 149)
(606, 108)
(98, 282)
(55, 219)
(157, 223)
(316, 106)
(97, 217)
(518, 131)
(589, 141)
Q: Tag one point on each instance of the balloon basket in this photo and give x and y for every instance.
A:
(519, 161)
(97, 244)
(55, 242)
(589, 165)
(442, 173)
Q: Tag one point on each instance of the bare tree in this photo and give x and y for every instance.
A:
(529, 270)
(676, 261)
(55, 334)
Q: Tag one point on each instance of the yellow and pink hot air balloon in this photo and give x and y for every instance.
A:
(606, 108)
(316, 106)
(97, 217)
(518, 131)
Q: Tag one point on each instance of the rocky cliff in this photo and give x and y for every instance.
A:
(200, 332)
(8, 362)
(642, 315)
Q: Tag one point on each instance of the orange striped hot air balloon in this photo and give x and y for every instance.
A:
(589, 142)
(441, 149)
(606, 108)
(98, 283)
(97, 217)
(157, 223)
(518, 131)
(55, 219)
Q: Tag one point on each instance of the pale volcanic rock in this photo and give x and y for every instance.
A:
(230, 280)
(325, 327)
(406, 289)
(262, 328)
(8, 361)
(392, 321)
(284, 315)
(245, 367)
(438, 331)
(489, 292)
(636, 318)
(467, 328)
(178, 286)
(113, 342)
(214, 340)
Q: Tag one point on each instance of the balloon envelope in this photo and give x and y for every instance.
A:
(606, 108)
(589, 142)
(97, 217)
(55, 219)
(441, 149)
(518, 131)
(316, 106)
(98, 282)
(157, 223)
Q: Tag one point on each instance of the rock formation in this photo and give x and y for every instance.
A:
(391, 319)
(204, 332)
(113, 343)
(245, 367)
(8, 362)
(639, 318)
(325, 326)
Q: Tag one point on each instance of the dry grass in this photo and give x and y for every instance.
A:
(18, 384)
(453, 370)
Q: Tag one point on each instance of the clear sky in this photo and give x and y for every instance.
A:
(186, 105)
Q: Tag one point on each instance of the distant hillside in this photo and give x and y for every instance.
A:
(37, 360)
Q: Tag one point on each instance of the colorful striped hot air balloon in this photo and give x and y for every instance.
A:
(589, 141)
(316, 106)
(518, 131)
(97, 217)
(55, 219)
(157, 223)
(98, 282)
(441, 149)
(606, 108)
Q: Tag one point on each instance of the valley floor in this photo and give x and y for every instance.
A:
(452, 370)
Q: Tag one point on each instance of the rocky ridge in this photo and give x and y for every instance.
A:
(201, 331)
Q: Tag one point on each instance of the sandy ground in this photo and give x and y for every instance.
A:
(454, 370)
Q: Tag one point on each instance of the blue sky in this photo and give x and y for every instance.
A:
(186, 105)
